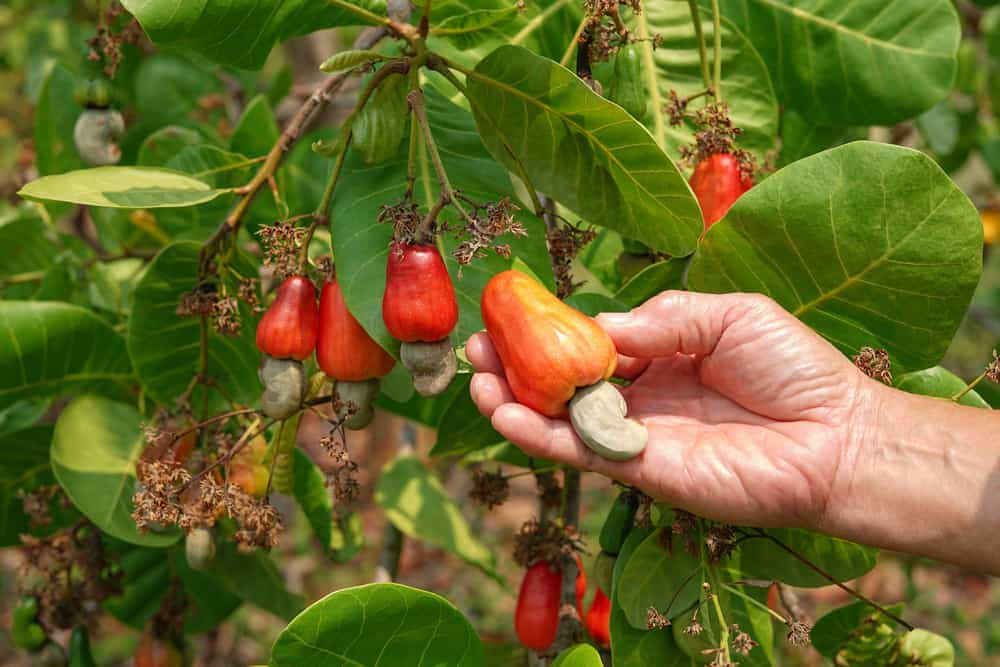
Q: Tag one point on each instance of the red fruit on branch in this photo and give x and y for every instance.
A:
(598, 619)
(557, 362)
(717, 183)
(289, 327)
(344, 350)
(536, 617)
(419, 303)
(348, 355)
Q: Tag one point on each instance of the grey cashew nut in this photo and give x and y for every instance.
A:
(199, 548)
(96, 135)
(598, 416)
(284, 386)
(356, 396)
(432, 365)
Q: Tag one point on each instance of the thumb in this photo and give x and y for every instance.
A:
(678, 323)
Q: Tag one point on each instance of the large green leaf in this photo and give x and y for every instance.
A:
(314, 498)
(121, 187)
(49, 348)
(584, 151)
(872, 62)
(27, 247)
(652, 280)
(55, 116)
(869, 244)
(219, 169)
(378, 624)
(255, 578)
(209, 603)
(417, 503)
(94, 449)
(940, 383)
(579, 655)
(746, 85)
(164, 347)
(463, 428)
(761, 558)
(837, 627)
(240, 32)
(24, 465)
(361, 243)
(659, 574)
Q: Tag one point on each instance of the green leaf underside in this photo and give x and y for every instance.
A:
(121, 187)
(869, 244)
(24, 465)
(587, 153)
(373, 626)
(100, 478)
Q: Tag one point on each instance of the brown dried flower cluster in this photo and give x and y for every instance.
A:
(605, 32)
(655, 620)
(406, 221)
(486, 223)
(545, 541)
(197, 302)
(68, 574)
(565, 243)
(107, 43)
(343, 477)
(227, 316)
(247, 293)
(549, 489)
(993, 370)
(715, 132)
(720, 541)
(36, 504)
(489, 488)
(282, 242)
(798, 633)
(875, 364)
(742, 643)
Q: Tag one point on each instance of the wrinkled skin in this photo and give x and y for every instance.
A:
(96, 136)
(750, 413)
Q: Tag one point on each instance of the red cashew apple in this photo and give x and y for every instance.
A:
(557, 362)
(597, 620)
(420, 310)
(717, 184)
(287, 335)
(536, 617)
(349, 357)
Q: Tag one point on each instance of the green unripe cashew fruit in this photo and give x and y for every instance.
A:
(93, 92)
(25, 632)
(96, 136)
(626, 88)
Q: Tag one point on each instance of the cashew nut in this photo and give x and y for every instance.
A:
(598, 416)
(96, 135)
(353, 402)
(432, 365)
(284, 386)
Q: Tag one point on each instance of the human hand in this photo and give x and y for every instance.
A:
(750, 413)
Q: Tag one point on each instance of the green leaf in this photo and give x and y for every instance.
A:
(314, 498)
(94, 449)
(427, 411)
(163, 144)
(463, 428)
(763, 559)
(348, 537)
(169, 87)
(208, 602)
(219, 169)
(836, 628)
(24, 466)
(505, 452)
(240, 32)
(361, 243)
(801, 137)
(27, 247)
(652, 280)
(145, 581)
(349, 60)
(255, 578)
(593, 304)
(926, 649)
(660, 577)
(584, 151)
(903, 247)
(256, 131)
(882, 62)
(121, 187)
(940, 383)
(580, 655)
(465, 24)
(55, 116)
(417, 503)
(164, 346)
(381, 126)
(48, 349)
(365, 624)
(746, 85)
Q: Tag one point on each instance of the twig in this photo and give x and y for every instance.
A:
(570, 627)
(717, 38)
(700, 37)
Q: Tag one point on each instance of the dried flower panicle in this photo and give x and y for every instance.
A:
(565, 243)
(258, 523)
(106, 44)
(343, 475)
(406, 221)
(720, 541)
(655, 620)
(693, 628)
(227, 316)
(993, 370)
(199, 301)
(247, 293)
(715, 132)
(875, 364)
(282, 242)
(489, 488)
(742, 643)
(36, 504)
(605, 32)
(798, 633)
(545, 541)
(549, 489)
(486, 223)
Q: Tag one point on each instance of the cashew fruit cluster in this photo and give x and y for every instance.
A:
(420, 310)
(293, 327)
(557, 361)
(717, 184)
